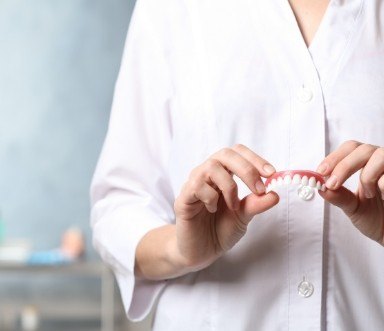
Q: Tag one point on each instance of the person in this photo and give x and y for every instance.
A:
(212, 98)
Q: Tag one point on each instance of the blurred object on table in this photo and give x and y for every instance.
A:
(72, 243)
(15, 250)
(72, 249)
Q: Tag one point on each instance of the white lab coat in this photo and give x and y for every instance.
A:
(199, 75)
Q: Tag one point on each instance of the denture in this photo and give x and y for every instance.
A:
(306, 179)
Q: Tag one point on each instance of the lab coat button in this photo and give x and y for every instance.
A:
(305, 94)
(305, 288)
(306, 192)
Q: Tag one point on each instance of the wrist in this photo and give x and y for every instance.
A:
(158, 257)
(174, 257)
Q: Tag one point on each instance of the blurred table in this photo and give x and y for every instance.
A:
(106, 311)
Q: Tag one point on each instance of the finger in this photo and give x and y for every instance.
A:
(241, 167)
(209, 196)
(195, 191)
(352, 163)
(371, 173)
(342, 198)
(252, 205)
(329, 163)
(381, 186)
(226, 184)
(263, 166)
(213, 173)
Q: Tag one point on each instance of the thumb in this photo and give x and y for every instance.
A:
(342, 198)
(254, 204)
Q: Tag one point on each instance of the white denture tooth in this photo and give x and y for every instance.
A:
(274, 182)
(323, 188)
(280, 181)
(296, 179)
(312, 182)
(304, 181)
(287, 180)
(318, 185)
(269, 188)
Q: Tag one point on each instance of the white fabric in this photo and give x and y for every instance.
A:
(200, 75)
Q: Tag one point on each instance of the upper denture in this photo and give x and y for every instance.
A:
(296, 177)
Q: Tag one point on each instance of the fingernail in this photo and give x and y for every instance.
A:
(269, 169)
(260, 188)
(322, 168)
(331, 182)
(368, 193)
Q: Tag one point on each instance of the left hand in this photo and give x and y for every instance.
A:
(365, 208)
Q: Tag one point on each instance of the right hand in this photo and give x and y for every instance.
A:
(210, 218)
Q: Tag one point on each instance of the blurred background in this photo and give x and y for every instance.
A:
(59, 61)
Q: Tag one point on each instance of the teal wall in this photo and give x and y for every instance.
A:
(58, 64)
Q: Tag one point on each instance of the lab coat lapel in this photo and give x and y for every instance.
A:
(336, 33)
(325, 54)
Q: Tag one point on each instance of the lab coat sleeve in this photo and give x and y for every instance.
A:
(130, 192)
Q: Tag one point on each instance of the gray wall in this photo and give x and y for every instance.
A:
(58, 65)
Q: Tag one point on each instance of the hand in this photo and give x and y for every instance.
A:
(365, 208)
(210, 218)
